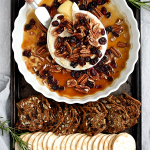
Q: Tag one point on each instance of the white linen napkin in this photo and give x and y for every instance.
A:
(4, 109)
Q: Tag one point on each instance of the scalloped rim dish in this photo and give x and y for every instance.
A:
(17, 37)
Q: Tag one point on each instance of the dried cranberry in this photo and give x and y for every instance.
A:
(94, 4)
(43, 76)
(108, 52)
(43, 5)
(110, 78)
(42, 39)
(55, 87)
(115, 34)
(93, 50)
(73, 73)
(104, 10)
(56, 3)
(49, 75)
(60, 17)
(103, 2)
(50, 80)
(55, 23)
(41, 43)
(99, 2)
(50, 57)
(109, 29)
(90, 8)
(99, 53)
(32, 22)
(77, 74)
(60, 30)
(79, 44)
(102, 31)
(73, 39)
(108, 15)
(81, 62)
(62, 25)
(102, 41)
(92, 62)
(62, 49)
(106, 72)
(60, 39)
(93, 72)
(104, 59)
(107, 67)
(65, 23)
(74, 64)
(90, 84)
(26, 53)
(113, 64)
(95, 60)
(86, 32)
(67, 39)
(82, 7)
(56, 82)
(37, 73)
(100, 69)
(27, 27)
(61, 88)
(45, 72)
(98, 86)
(53, 11)
(87, 59)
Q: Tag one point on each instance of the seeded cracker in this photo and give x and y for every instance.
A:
(115, 119)
(30, 115)
(68, 115)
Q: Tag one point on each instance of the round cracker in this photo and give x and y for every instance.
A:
(91, 141)
(57, 143)
(124, 141)
(50, 141)
(63, 144)
(32, 138)
(69, 141)
(35, 142)
(111, 141)
(96, 142)
(75, 141)
(40, 142)
(85, 143)
(106, 143)
(46, 139)
(101, 143)
(80, 142)
(16, 145)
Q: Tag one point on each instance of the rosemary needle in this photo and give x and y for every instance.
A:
(138, 4)
(15, 135)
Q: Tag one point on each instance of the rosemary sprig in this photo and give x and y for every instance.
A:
(15, 135)
(138, 4)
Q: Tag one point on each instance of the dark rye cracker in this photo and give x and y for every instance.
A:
(30, 115)
(115, 119)
(76, 120)
(93, 121)
(68, 115)
(131, 108)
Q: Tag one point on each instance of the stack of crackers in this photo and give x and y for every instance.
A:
(111, 115)
(77, 141)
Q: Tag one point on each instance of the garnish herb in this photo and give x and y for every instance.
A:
(15, 136)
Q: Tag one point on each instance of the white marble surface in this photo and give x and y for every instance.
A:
(145, 54)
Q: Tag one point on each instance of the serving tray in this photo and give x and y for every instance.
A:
(21, 89)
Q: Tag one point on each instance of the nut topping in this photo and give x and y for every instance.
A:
(71, 83)
(93, 73)
(42, 28)
(116, 52)
(82, 89)
(55, 68)
(41, 50)
(122, 45)
(83, 79)
(57, 44)
(68, 47)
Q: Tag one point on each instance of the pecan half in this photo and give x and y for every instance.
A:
(55, 68)
(93, 73)
(77, 50)
(74, 57)
(97, 13)
(71, 83)
(118, 28)
(68, 47)
(79, 36)
(122, 44)
(43, 28)
(97, 31)
(119, 21)
(41, 50)
(92, 40)
(58, 54)
(57, 44)
(82, 89)
(73, 44)
(85, 51)
(116, 52)
(54, 31)
(81, 15)
(64, 71)
(86, 55)
(41, 34)
(83, 79)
